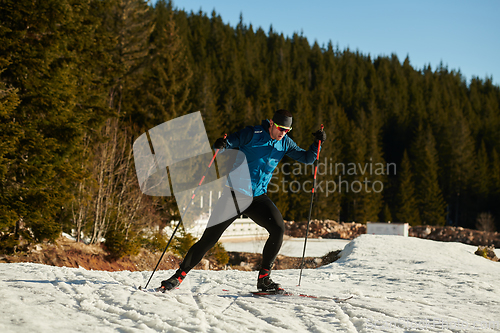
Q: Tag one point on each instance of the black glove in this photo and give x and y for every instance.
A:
(319, 135)
(220, 143)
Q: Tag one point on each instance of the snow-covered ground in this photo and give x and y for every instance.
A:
(399, 285)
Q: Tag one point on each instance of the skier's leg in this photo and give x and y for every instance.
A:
(209, 238)
(206, 242)
(265, 213)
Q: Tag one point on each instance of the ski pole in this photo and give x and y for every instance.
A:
(182, 217)
(310, 209)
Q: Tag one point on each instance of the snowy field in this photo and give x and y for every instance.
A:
(291, 247)
(399, 285)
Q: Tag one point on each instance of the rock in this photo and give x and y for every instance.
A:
(205, 264)
(456, 234)
(325, 229)
(487, 252)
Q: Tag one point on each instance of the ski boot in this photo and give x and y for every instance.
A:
(264, 282)
(173, 282)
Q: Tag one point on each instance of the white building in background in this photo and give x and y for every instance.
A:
(380, 228)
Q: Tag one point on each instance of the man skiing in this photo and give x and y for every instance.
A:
(264, 146)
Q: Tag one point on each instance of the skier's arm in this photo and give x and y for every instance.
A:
(302, 155)
(238, 139)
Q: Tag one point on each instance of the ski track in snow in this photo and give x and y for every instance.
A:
(399, 285)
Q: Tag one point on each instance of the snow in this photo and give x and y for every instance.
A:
(399, 284)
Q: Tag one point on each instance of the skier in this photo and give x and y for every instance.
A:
(264, 146)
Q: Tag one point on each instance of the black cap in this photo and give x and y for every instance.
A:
(282, 120)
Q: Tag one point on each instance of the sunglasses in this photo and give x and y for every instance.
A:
(283, 128)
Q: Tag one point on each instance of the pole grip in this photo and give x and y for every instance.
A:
(317, 159)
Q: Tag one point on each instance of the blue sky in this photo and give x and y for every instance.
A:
(464, 35)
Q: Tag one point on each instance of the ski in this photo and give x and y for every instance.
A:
(268, 293)
(288, 293)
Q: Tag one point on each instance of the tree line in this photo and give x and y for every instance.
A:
(81, 80)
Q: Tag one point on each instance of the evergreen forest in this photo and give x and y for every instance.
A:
(80, 80)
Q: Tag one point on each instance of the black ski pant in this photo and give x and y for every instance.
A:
(262, 211)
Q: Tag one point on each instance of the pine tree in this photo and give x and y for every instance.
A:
(482, 179)
(386, 214)
(126, 25)
(46, 46)
(375, 178)
(205, 100)
(489, 113)
(430, 200)
(328, 201)
(406, 202)
(164, 93)
(278, 70)
(355, 195)
(129, 24)
(494, 188)
(457, 160)
(494, 183)
(9, 134)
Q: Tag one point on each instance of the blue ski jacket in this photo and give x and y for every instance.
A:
(264, 153)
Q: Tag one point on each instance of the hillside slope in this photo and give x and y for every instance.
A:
(399, 284)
